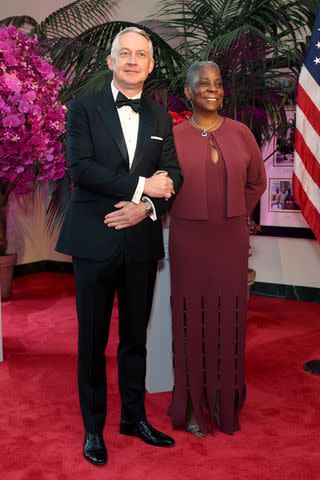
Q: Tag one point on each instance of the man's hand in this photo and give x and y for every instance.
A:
(159, 186)
(126, 215)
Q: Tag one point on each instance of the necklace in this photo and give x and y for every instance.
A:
(204, 132)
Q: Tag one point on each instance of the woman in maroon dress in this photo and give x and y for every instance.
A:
(224, 177)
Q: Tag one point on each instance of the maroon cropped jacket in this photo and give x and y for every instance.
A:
(246, 177)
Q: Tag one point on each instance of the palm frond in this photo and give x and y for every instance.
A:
(22, 21)
(58, 196)
(86, 84)
(77, 17)
(204, 20)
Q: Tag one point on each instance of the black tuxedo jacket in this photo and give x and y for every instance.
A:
(99, 164)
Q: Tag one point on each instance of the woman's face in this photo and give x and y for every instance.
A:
(206, 93)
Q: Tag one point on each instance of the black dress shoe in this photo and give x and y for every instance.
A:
(146, 433)
(94, 449)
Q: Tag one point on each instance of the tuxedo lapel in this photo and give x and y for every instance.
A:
(146, 126)
(109, 114)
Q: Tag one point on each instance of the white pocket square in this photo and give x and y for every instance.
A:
(156, 138)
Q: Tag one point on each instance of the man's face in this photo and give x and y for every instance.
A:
(132, 62)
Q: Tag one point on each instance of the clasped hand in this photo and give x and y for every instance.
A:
(129, 214)
(126, 215)
(159, 185)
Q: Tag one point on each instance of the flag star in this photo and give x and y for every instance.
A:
(316, 60)
(318, 45)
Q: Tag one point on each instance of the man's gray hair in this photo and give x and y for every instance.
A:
(115, 43)
(193, 71)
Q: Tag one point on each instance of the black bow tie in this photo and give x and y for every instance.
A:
(122, 100)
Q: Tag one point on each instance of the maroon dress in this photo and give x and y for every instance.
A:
(209, 270)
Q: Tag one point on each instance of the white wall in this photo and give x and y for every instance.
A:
(277, 260)
(288, 261)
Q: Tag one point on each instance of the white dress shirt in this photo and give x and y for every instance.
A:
(129, 120)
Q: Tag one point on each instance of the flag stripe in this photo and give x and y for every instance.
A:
(309, 85)
(310, 213)
(309, 134)
(309, 109)
(310, 187)
(310, 162)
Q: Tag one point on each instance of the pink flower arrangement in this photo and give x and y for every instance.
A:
(32, 120)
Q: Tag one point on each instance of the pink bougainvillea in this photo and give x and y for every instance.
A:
(32, 120)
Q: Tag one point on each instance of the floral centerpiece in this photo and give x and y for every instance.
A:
(32, 120)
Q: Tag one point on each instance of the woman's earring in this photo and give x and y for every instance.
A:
(189, 103)
(221, 106)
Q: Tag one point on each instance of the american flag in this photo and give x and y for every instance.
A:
(306, 174)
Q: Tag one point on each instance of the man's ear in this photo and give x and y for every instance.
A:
(110, 62)
(151, 65)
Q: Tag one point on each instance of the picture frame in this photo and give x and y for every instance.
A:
(280, 196)
(283, 159)
(283, 141)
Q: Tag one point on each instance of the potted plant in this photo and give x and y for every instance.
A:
(32, 121)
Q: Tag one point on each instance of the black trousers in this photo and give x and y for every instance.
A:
(96, 284)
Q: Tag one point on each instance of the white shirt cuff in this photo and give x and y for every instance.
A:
(153, 216)
(138, 191)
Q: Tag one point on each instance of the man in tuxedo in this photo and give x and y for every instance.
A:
(124, 167)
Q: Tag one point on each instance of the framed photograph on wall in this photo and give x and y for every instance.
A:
(280, 196)
(281, 159)
(283, 141)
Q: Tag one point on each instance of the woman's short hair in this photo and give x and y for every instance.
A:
(193, 70)
(115, 43)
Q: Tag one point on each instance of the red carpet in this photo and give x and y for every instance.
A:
(40, 424)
